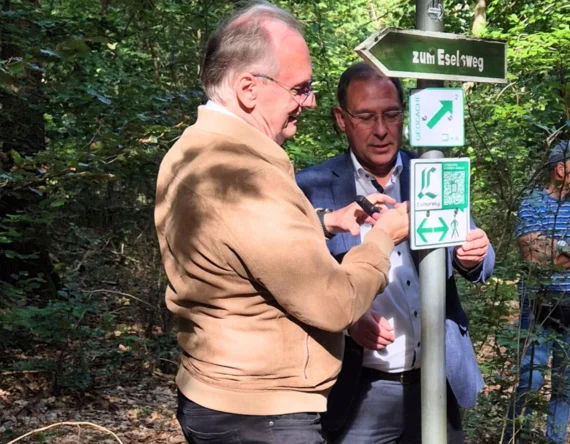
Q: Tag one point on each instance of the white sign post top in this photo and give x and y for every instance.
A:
(437, 117)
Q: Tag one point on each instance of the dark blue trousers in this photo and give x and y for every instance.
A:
(551, 326)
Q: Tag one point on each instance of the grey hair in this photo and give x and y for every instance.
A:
(241, 43)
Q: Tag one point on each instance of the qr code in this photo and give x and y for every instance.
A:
(454, 192)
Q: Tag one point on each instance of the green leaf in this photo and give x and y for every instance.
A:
(6, 79)
(18, 160)
(35, 67)
(57, 203)
(75, 46)
(17, 68)
(26, 256)
(51, 53)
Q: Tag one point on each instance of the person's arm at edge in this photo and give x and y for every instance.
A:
(536, 247)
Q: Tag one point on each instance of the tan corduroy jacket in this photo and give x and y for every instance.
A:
(261, 302)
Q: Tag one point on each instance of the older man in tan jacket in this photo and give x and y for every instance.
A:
(262, 304)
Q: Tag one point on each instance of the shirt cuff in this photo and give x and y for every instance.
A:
(463, 268)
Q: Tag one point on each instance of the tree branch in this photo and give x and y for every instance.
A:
(90, 424)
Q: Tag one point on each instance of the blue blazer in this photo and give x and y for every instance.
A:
(331, 185)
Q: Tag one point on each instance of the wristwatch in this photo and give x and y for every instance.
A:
(563, 247)
(321, 215)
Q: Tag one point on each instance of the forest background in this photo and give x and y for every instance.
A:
(92, 95)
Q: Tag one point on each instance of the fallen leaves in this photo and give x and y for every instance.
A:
(141, 413)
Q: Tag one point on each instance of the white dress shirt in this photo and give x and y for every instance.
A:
(399, 303)
(211, 105)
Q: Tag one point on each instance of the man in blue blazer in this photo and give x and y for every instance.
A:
(377, 397)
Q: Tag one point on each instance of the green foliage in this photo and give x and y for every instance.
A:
(115, 84)
(107, 120)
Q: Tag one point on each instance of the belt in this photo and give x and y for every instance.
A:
(407, 377)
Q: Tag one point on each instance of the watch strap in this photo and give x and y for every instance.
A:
(563, 247)
(321, 215)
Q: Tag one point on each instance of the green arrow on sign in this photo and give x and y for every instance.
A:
(443, 229)
(446, 107)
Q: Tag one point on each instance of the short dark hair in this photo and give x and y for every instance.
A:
(362, 71)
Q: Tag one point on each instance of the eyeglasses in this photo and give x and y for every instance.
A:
(300, 94)
(368, 120)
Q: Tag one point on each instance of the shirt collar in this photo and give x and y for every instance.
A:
(211, 105)
(361, 172)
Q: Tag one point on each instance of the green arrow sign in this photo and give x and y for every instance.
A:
(435, 55)
(446, 107)
(443, 229)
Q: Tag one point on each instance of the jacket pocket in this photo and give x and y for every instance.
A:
(228, 437)
(292, 419)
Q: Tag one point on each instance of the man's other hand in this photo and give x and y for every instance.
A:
(372, 331)
(351, 217)
(473, 250)
(395, 222)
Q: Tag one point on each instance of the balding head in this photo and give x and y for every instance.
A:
(246, 41)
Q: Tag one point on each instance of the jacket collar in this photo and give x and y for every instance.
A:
(405, 175)
(360, 171)
(344, 191)
(230, 127)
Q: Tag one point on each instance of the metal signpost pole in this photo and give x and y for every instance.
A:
(429, 17)
(439, 187)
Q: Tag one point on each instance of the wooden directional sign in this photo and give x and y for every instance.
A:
(435, 55)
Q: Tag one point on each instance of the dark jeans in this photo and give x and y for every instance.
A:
(205, 426)
(549, 322)
(389, 412)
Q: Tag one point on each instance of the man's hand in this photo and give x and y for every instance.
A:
(473, 250)
(372, 331)
(352, 216)
(395, 222)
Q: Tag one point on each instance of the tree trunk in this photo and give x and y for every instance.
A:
(479, 17)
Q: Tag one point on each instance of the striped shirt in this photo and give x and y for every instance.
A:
(549, 216)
